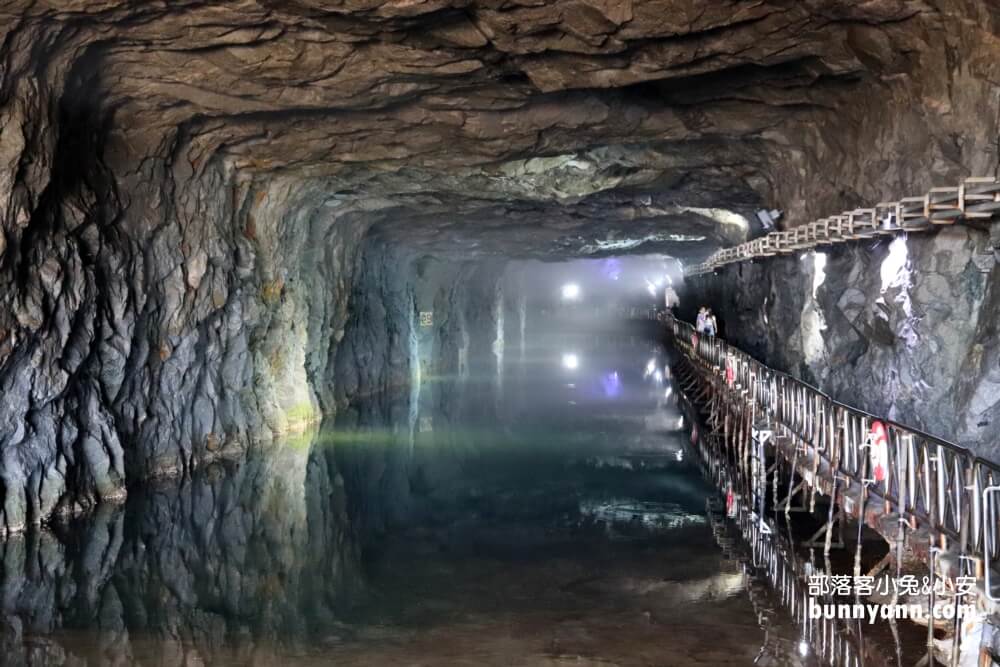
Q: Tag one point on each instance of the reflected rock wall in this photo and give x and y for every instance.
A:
(238, 558)
(401, 380)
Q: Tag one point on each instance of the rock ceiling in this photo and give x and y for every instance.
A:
(522, 127)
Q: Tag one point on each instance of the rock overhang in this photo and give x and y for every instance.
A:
(574, 126)
(204, 205)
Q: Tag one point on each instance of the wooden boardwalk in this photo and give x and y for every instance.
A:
(973, 199)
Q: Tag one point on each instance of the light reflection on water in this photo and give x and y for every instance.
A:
(557, 521)
(650, 515)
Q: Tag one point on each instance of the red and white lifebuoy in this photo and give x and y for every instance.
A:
(694, 434)
(730, 370)
(730, 502)
(694, 340)
(878, 443)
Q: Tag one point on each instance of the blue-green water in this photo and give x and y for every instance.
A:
(546, 515)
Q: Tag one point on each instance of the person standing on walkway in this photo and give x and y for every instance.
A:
(711, 324)
(699, 324)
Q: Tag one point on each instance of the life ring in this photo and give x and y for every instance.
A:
(730, 370)
(694, 435)
(878, 447)
(694, 340)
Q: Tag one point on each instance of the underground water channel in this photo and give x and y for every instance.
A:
(337, 333)
(550, 512)
(522, 478)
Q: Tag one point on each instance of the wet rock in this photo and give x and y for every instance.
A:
(185, 190)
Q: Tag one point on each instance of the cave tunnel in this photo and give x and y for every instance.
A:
(361, 333)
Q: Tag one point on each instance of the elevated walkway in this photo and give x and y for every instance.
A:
(778, 445)
(973, 199)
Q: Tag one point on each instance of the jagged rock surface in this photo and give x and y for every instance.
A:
(912, 338)
(185, 187)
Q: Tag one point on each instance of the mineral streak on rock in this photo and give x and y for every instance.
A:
(205, 206)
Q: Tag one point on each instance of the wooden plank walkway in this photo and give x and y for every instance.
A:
(973, 199)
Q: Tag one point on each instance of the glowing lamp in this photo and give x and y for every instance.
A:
(570, 291)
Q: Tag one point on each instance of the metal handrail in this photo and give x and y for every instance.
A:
(974, 199)
(937, 483)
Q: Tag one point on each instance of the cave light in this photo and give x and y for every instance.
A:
(612, 268)
(819, 271)
(893, 271)
(570, 292)
(570, 361)
(612, 384)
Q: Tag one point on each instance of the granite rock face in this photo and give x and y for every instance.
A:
(903, 328)
(198, 202)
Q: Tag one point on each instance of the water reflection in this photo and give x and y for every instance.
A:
(552, 517)
(237, 557)
(618, 514)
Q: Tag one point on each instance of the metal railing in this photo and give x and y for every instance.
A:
(930, 482)
(974, 198)
(773, 558)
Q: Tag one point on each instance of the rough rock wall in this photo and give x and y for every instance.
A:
(930, 116)
(184, 186)
(157, 318)
(375, 355)
(904, 328)
(407, 392)
(383, 343)
(527, 120)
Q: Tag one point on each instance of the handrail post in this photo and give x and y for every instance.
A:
(932, 483)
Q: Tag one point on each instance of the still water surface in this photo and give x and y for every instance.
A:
(547, 515)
